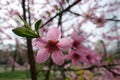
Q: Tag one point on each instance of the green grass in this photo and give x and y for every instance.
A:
(23, 75)
(17, 75)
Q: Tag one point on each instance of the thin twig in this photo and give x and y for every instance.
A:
(114, 73)
(61, 12)
(85, 68)
(77, 14)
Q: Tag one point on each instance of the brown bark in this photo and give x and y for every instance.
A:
(30, 50)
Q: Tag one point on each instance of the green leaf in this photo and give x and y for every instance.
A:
(37, 24)
(67, 1)
(109, 60)
(48, 13)
(25, 23)
(25, 32)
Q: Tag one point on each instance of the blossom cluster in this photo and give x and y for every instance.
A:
(54, 46)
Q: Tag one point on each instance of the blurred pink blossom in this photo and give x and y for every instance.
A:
(77, 40)
(99, 21)
(76, 57)
(92, 57)
(81, 54)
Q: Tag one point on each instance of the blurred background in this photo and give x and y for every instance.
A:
(105, 39)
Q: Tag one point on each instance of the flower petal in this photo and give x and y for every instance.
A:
(53, 34)
(58, 57)
(69, 55)
(40, 42)
(74, 35)
(75, 62)
(64, 43)
(77, 37)
(42, 55)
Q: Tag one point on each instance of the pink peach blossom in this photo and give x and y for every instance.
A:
(99, 21)
(76, 57)
(52, 45)
(80, 53)
(77, 40)
(92, 57)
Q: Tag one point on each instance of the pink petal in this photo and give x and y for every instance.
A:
(53, 34)
(93, 61)
(58, 57)
(40, 42)
(98, 58)
(83, 59)
(75, 62)
(75, 36)
(69, 55)
(44, 39)
(42, 55)
(64, 44)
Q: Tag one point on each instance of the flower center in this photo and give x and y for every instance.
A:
(87, 16)
(100, 20)
(52, 46)
(75, 43)
(76, 56)
(88, 57)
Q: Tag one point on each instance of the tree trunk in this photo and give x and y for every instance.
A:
(30, 49)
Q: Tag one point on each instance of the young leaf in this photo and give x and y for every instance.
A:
(37, 24)
(25, 32)
(67, 1)
(48, 13)
(25, 23)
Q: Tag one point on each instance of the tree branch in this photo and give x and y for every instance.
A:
(61, 12)
(77, 14)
